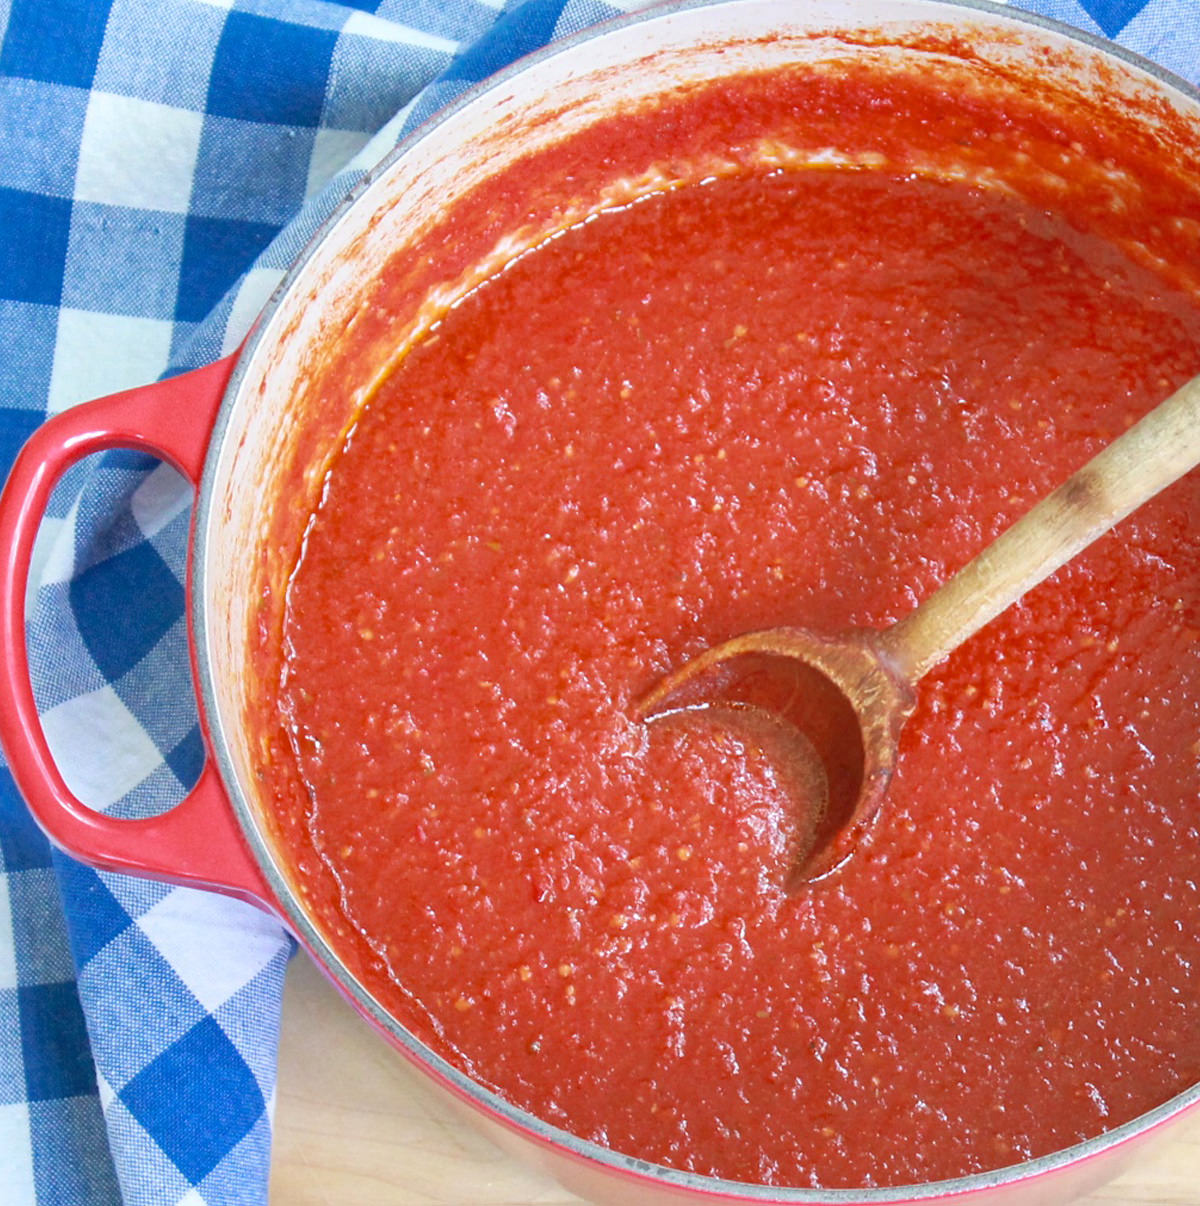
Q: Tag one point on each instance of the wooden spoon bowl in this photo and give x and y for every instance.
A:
(829, 708)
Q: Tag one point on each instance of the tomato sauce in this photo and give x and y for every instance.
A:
(766, 397)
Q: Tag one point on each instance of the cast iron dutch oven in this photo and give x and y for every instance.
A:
(235, 427)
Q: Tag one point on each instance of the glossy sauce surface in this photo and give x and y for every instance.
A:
(777, 397)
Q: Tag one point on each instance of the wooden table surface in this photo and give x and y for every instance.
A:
(356, 1127)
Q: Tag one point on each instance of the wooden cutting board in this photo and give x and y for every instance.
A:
(355, 1126)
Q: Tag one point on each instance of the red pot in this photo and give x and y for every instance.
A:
(235, 428)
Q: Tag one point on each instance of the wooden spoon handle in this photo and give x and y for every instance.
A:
(1151, 455)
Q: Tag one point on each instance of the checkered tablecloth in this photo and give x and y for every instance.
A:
(161, 162)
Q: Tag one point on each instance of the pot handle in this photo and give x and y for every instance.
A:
(198, 842)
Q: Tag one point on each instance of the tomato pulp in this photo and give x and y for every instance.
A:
(771, 397)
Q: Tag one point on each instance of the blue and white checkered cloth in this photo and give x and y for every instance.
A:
(161, 163)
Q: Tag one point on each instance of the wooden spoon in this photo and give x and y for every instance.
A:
(828, 709)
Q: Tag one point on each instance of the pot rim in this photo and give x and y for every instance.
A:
(285, 900)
